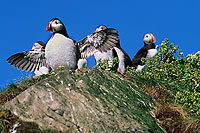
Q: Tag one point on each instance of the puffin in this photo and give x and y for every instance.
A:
(147, 51)
(61, 50)
(33, 60)
(117, 51)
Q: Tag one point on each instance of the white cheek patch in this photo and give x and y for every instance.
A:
(57, 27)
(148, 38)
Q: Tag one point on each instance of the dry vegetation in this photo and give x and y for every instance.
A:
(173, 118)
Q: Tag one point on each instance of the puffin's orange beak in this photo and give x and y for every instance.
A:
(49, 28)
(95, 31)
(154, 39)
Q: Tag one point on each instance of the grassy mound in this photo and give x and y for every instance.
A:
(170, 78)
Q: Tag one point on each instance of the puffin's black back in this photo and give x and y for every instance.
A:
(142, 53)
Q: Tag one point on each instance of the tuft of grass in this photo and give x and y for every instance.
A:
(18, 87)
(6, 119)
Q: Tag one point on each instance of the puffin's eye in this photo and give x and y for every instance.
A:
(147, 36)
(56, 22)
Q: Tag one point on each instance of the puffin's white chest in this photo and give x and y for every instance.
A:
(103, 55)
(151, 53)
(61, 51)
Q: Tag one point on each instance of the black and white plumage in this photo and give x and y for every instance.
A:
(32, 60)
(147, 51)
(117, 51)
(61, 50)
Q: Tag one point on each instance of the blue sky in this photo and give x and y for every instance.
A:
(24, 22)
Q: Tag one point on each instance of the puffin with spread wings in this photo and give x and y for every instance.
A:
(117, 51)
(61, 50)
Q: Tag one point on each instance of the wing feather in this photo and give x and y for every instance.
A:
(24, 64)
(13, 57)
(21, 64)
(30, 67)
(16, 61)
(33, 68)
(27, 65)
(102, 41)
(30, 60)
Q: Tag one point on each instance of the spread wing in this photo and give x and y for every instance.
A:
(102, 41)
(29, 60)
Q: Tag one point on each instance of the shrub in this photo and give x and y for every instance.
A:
(108, 65)
(171, 66)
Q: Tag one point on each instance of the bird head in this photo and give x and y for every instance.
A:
(55, 25)
(38, 46)
(149, 38)
(101, 27)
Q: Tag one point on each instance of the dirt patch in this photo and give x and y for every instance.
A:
(171, 117)
(8, 95)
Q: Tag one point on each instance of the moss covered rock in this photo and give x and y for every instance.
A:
(86, 100)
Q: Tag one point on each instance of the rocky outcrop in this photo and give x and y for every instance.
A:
(86, 101)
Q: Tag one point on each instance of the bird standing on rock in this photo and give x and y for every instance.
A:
(117, 51)
(147, 51)
(61, 50)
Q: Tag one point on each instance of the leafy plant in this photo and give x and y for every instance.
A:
(171, 66)
(107, 64)
(5, 118)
